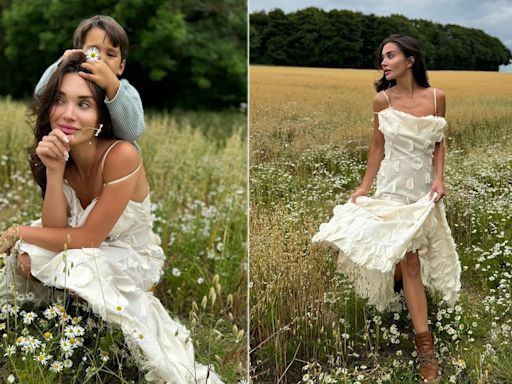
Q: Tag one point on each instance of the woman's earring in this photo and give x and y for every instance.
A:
(98, 131)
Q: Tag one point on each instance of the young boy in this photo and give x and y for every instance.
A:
(122, 100)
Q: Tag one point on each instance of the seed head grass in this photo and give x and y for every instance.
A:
(196, 166)
(309, 136)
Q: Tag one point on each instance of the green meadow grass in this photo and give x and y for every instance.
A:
(196, 166)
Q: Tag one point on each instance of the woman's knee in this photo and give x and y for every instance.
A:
(24, 264)
(411, 265)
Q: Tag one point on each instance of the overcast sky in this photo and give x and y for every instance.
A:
(492, 16)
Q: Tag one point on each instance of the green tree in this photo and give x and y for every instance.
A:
(341, 38)
(190, 54)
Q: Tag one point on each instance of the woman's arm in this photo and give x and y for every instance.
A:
(123, 159)
(439, 152)
(53, 151)
(375, 151)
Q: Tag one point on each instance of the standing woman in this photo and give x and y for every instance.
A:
(400, 236)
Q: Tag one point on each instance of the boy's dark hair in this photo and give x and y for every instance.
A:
(113, 30)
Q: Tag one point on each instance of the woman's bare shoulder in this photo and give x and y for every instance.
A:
(123, 159)
(380, 102)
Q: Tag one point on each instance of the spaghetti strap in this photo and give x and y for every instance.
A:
(435, 102)
(387, 98)
(124, 177)
(106, 153)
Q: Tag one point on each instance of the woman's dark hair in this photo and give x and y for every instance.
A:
(409, 47)
(42, 106)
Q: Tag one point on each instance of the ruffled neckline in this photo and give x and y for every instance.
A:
(410, 115)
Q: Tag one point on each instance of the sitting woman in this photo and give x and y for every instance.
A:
(94, 237)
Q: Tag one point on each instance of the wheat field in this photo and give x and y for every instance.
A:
(309, 135)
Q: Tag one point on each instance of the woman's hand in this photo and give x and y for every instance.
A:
(437, 187)
(8, 238)
(358, 192)
(53, 150)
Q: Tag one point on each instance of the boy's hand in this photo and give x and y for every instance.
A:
(102, 75)
(68, 52)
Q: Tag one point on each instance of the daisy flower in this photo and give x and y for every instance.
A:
(56, 366)
(29, 317)
(42, 358)
(93, 55)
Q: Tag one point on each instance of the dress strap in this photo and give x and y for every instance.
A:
(122, 178)
(387, 98)
(106, 153)
(435, 102)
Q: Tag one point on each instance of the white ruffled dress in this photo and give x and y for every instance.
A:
(374, 234)
(115, 279)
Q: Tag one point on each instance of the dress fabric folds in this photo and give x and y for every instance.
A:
(116, 280)
(375, 233)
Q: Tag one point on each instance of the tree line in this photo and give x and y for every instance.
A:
(312, 37)
(184, 53)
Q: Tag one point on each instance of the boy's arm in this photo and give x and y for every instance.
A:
(126, 112)
(46, 76)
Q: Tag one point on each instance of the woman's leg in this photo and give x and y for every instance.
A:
(414, 291)
(416, 300)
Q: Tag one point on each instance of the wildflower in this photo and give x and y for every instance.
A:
(10, 350)
(42, 358)
(20, 297)
(176, 272)
(11, 378)
(48, 336)
(68, 363)
(66, 347)
(93, 55)
(75, 342)
(104, 356)
(56, 366)
(78, 330)
(68, 332)
(119, 308)
(29, 317)
(50, 313)
(75, 320)
(200, 280)
(2, 326)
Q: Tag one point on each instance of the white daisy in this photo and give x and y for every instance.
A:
(56, 366)
(93, 55)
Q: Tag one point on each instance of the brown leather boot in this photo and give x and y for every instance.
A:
(429, 366)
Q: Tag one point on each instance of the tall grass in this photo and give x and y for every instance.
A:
(310, 129)
(196, 165)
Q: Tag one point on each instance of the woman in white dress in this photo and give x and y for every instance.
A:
(94, 237)
(401, 236)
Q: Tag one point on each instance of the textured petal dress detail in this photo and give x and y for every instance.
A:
(115, 279)
(374, 233)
